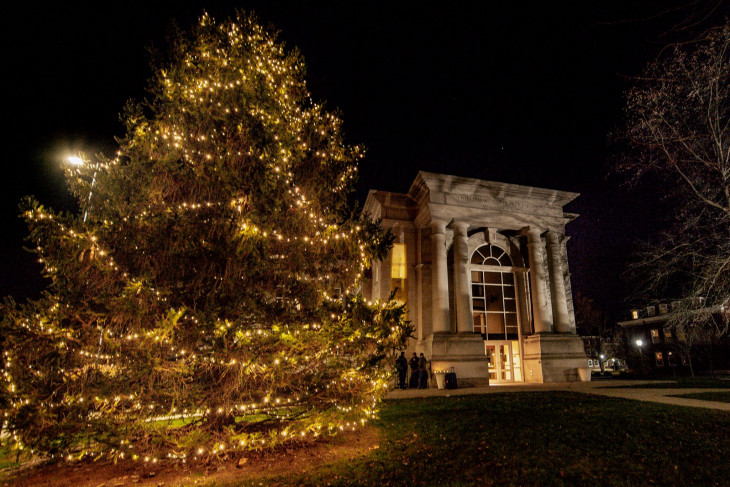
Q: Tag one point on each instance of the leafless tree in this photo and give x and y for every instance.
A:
(678, 135)
(698, 331)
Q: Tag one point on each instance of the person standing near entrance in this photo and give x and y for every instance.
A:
(401, 365)
(414, 371)
(422, 372)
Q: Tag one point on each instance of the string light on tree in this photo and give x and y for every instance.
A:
(209, 303)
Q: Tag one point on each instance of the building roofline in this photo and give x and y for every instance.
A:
(645, 321)
(552, 197)
(667, 316)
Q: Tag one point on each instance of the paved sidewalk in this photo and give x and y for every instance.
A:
(610, 388)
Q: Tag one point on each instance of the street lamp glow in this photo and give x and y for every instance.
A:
(79, 161)
(639, 343)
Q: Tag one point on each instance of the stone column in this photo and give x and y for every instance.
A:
(557, 284)
(462, 280)
(541, 310)
(439, 278)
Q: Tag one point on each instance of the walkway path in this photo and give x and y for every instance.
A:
(611, 388)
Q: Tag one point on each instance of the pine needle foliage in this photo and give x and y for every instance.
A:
(209, 303)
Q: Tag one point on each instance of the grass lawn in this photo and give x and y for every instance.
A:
(536, 438)
(681, 383)
(11, 458)
(510, 438)
(708, 396)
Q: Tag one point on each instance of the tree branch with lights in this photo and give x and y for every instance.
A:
(210, 301)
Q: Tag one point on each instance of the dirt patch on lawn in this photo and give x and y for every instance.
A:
(302, 459)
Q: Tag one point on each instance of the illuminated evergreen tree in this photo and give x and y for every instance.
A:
(210, 301)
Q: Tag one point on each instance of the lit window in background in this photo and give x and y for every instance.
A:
(398, 259)
(398, 272)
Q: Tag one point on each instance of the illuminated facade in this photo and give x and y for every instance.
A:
(483, 269)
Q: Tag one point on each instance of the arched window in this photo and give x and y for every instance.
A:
(494, 306)
(490, 255)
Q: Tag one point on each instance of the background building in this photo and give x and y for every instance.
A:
(606, 355)
(661, 339)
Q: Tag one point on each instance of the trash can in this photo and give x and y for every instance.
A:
(450, 379)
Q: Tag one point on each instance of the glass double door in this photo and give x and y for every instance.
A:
(505, 364)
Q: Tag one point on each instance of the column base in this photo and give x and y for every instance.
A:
(555, 357)
(464, 352)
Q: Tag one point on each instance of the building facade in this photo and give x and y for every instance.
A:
(605, 354)
(483, 269)
(658, 345)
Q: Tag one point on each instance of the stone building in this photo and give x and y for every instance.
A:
(482, 267)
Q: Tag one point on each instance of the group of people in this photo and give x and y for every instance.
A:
(419, 371)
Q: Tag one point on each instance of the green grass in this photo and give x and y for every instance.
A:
(536, 438)
(708, 396)
(681, 383)
(10, 458)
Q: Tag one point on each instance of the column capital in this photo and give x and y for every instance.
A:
(532, 232)
(438, 226)
(460, 228)
(553, 237)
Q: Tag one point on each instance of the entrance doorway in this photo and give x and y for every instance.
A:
(504, 360)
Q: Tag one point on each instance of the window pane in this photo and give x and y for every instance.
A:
(492, 277)
(508, 278)
(490, 356)
(477, 258)
(509, 292)
(510, 305)
(491, 261)
(478, 304)
(398, 261)
(477, 290)
(476, 276)
(655, 336)
(494, 298)
(505, 260)
(511, 319)
(479, 323)
(495, 323)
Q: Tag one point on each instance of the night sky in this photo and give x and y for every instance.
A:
(520, 92)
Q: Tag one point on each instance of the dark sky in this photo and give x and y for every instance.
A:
(509, 91)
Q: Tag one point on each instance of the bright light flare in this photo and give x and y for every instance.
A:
(75, 160)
